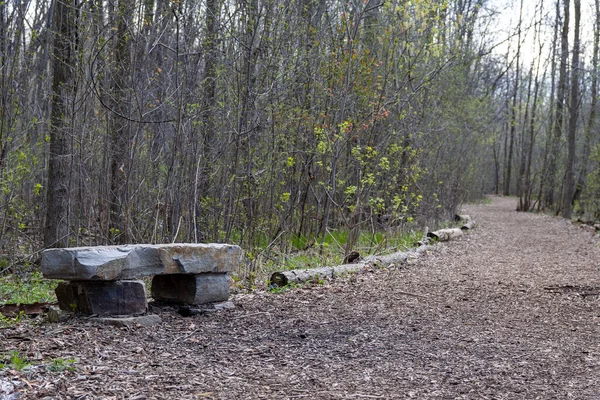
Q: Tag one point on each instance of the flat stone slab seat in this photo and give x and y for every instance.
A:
(134, 261)
(104, 280)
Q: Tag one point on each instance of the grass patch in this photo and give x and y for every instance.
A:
(32, 288)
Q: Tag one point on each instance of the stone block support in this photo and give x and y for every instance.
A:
(126, 297)
(191, 289)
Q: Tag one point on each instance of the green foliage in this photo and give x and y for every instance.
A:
(7, 322)
(300, 242)
(590, 201)
(20, 196)
(4, 264)
(15, 361)
(32, 288)
(62, 364)
(282, 289)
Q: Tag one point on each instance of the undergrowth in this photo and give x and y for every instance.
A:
(308, 253)
(26, 289)
(13, 360)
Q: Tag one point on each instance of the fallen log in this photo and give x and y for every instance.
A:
(398, 257)
(444, 235)
(468, 225)
(285, 278)
(424, 241)
(588, 228)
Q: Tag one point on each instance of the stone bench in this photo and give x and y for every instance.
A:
(105, 280)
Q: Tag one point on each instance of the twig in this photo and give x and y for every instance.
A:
(411, 294)
(185, 337)
(177, 231)
(252, 314)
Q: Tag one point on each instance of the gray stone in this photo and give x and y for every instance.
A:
(143, 320)
(102, 297)
(191, 289)
(55, 315)
(6, 387)
(136, 261)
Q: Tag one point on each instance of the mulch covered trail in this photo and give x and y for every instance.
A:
(509, 311)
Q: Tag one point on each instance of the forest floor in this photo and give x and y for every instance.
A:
(509, 311)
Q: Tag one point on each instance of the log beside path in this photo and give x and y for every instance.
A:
(283, 278)
(444, 235)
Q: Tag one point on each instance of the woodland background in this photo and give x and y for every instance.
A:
(278, 123)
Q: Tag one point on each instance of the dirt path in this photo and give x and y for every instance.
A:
(509, 312)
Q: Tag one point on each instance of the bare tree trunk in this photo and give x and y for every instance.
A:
(56, 231)
(567, 206)
(209, 92)
(513, 109)
(544, 176)
(3, 82)
(524, 144)
(119, 126)
(529, 137)
(527, 191)
(496, 168)
(560, 103)
(591, 125)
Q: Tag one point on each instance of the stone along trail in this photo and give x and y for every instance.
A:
(509, 311)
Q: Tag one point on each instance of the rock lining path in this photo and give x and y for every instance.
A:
(509, 313)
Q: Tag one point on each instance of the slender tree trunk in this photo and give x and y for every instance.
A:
(591, 124)
(567, 205)
(529, 136)
(528, 179)
(544, 176)
(524, 145)
(305, 136)
(3, 82)
(553, 155)
(119, 126)
(513, 109)
(56, 232)
(209, 93)
(496, 168)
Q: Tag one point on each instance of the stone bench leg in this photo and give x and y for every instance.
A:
(191, 288)
(124, 297)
